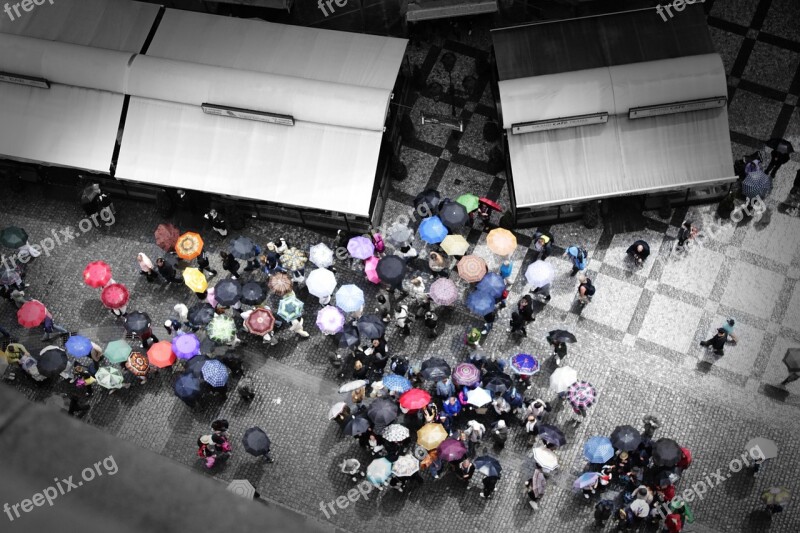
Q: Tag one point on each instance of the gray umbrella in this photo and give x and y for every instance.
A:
(382, 412)
(371, 326)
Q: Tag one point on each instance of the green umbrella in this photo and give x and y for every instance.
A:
(117, 351)
(469, 201)
(290, 308)
(221, 329)
(13, 237)
(109, 377)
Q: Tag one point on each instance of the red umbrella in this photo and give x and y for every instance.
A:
(414, 399)
(491, 203)
(686, 458)
(160, 354)
(31, 314)
(167, 236)
(97, 274)
(260, 321)
(115, 296)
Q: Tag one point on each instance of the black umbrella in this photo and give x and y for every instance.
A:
(488, 466)
(391, 269)
(382, 412)
(195, 364)
(243, 248)
(497, 382)
(663, 477)
(626, 438)
(356, 426)
(137, 322)
(256, 442)
(435, 368)
(561, 335)
(431, 199)
(201, 314)
(371, 326)
(52, 362)
(453, 215)
(227, 292)
(666, 452)
(782, 145)
(792, 359)
(253, 293)
(552, 435)
(348, 337)
(187, 386)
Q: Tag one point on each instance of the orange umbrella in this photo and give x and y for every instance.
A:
(160, 354)
(501, 241)
(472, 268)
(189, 245)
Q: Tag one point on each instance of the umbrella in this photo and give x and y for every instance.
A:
(189, 245)
(201, 314)
(443, 291)
(195, 280)
(348, 337)
(167, 236)
(379, 471)
(78, 346)
(666, 452)
(321, 282)
(757, 184)
(430, 198)
(431, 435)
(221, 329)
(405, 465)
(186, 346)
(399, 235)
(472, 268)
(137, 322)
(501, 241)
(545, 458)
(371, 269)
(776, 495)
(160, 354)
(538, 483)
(382, 412)
(349, 298)
(31, 314)
(414, 399)
(561, 335)
(469, 201)
(453, 215)
(466, 375)
(395, 433)
(280, 284)
(97, 274)
(781, 145)
(109, 377)
(766, 447)
(371, 326)
(243, 488)
(582, 394)
(293, 259)
(491, 203)
(353, 385)
(478, 397)
(117, 351)
(228, 292)
(356, 426)
(524, 364)
(552, 435)
(321, 255)
(256, 442)
(452, 450)
(253, 293)
(396, 383)
(493, 284)
(330, 320)
(290, 307)
(360, 247)
(195, 365)
(215, 373)
(539, 274)
(51, 362)
(587, 479)
(432, 230)
(480, 302)
(665, 477)
(260, 322)
(391, 270)
(137, 364)
(488, 465)
(455, 245)
(434, 369)
(598, 450)
(13, 237)
(497, 382)
(115, 296)
(242, 248)
(10, 276)
(562, 378)
(792, 359)
(640, 508)
(626, 438)
(336, 409)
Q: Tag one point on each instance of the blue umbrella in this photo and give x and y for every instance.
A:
(396, 383)
(215, 373)
(432, 231)
(78, 346)
(480, 302)
(290, 307)
(585, 480)
(349, 298)
(488, 465)
(524, 364)
(195, 364)
(187, 386)
(598, 450)
(493, 284)
(757, 183)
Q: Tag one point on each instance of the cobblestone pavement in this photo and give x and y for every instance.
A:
(638, 339)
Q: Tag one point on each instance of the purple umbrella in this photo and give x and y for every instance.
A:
(330, 320)
(186, 346)
(466, 374)
(360, 248)
(452, 450)
(443, 292)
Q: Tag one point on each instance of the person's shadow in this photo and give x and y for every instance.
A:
(758, 521)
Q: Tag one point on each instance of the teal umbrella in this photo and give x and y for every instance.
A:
(13, 237)
(117, 351)
(109, 377)
(290, 308)
(222, 329)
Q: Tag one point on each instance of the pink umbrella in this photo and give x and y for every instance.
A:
(330, 320)
(443, 291)
(371, 268)
(466, 375)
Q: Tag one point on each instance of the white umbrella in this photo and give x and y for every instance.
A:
(640, 508)
(405, 466)
(478, 397)
(321, 255)
(243, 488)
(353, 385)
(545, 458)
(399, 234)
(540, 273)
(321, 282)
(766, 447)
(336, 410)
(562, 378)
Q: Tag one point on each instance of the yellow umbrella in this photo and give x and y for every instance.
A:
(195, 280)
(455, 245)
(501, 241)
(431, 435)
(189, 245)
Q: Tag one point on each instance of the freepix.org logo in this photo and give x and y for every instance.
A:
(26, 5)
(322, 3)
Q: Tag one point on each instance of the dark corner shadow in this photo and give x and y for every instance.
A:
(758, 521)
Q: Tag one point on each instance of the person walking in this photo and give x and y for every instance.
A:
(146, 267)
(230, 264)
(50, 327)
(489, 483)
(167, 271)
(586, 290)
(542, 245)
(297, 327)
(602, 512)
(639, 251)
(488, 323)
(559, 349)
(531, 429)
(217, 222)
(685, 233)
(475, 432)
(579, 258)
(517, 325)
(438, 264)
(500, 433)
(505, 271)
(534, 487)
(543, 292)
(717, 342)
(384, 307)
(728, 327)
(525, 309)
(431, 322)
(778, 157)
(402, 319)
(204, 265)
(465, 471)
(445, 388)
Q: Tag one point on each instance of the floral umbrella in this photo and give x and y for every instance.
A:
(501, 241)
(466, 375)
(321, 255)
(167, 236)
(97, 274)
(280, 284)
(405, 466)
(330, 320)
(290, 307)
(260, 322)
(137, 364)
(221, 329)
(293, 259)
(472, 268)
(395, 433)
(195, 280)
(189, 245)
(115, 296)
(443, 292)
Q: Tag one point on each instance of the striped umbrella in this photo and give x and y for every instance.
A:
(330, 320)
(215, 373)
(598, 450)
(472, 268)
(466, 375)
(582, 394)
(280, 284)
(109, 377)
(290, 307)
(189, 245)
(443, 291)
(455, 245)
(432, 230)
(501, 241)
(321, 255)
(524, 364)
(360, 247)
